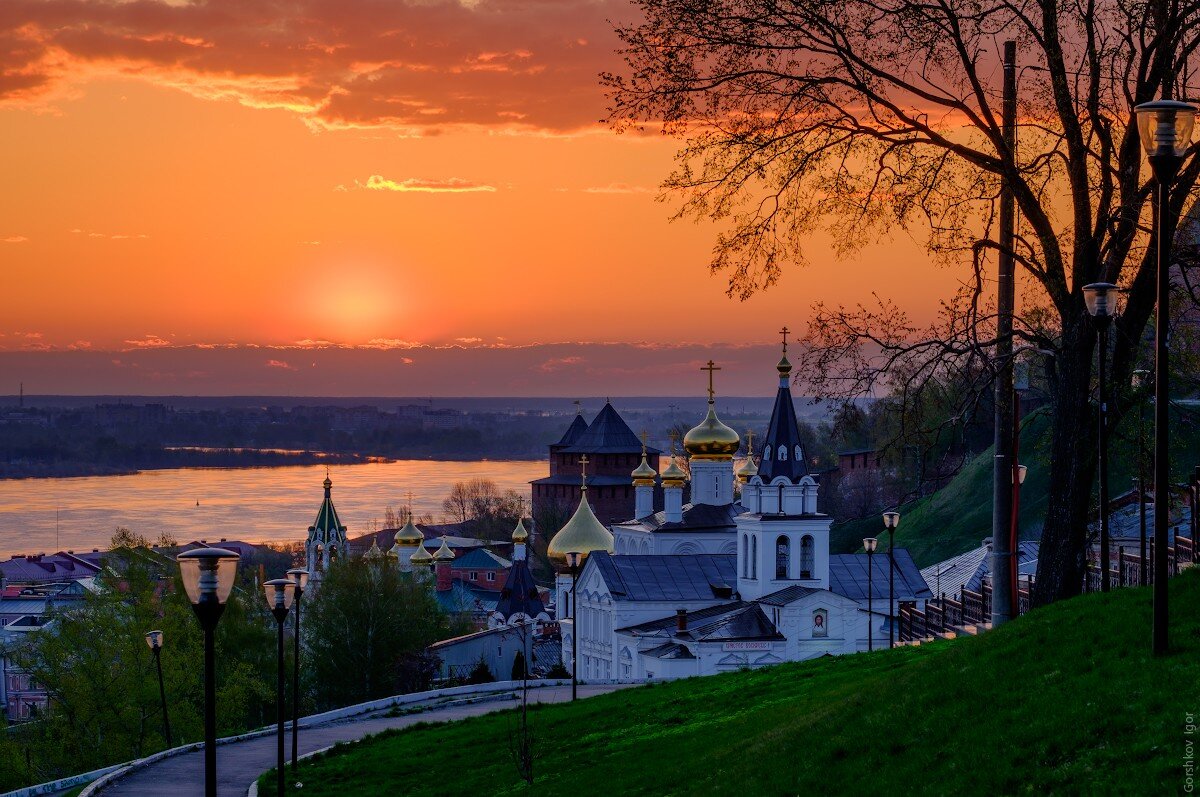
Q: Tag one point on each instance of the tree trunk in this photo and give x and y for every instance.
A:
(1072, 469)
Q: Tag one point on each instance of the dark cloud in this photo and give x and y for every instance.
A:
(422, 65)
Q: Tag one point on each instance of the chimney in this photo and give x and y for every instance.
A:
(681, 620)
(444, 579)
(987, 543)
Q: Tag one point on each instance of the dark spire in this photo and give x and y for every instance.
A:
(783, 453)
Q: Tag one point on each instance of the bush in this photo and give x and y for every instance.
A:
(558, 671)
(481, 674)
(518, 668)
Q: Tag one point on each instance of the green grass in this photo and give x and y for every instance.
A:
(1066, 699)
(958, 517)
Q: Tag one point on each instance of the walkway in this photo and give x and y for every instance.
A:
(239, 763)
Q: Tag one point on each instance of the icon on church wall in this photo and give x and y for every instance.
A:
(820, 623)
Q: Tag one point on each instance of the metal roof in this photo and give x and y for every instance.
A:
(783, 432)
(969, 569)
(608, 434)
(519, 595)
(662, 577)
(848, 576)
(578, 427)
(480, 559)
(727, 621)
(696, 517)
(787, 595)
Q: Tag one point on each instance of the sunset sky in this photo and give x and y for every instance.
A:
(229, 184)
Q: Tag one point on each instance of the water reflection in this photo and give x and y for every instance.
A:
(257, 504)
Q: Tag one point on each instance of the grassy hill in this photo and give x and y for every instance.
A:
(1066, 699)
(958, 517)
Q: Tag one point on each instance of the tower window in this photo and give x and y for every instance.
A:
(783, 453)
(754, 557)
(807, 557)
(782, 554)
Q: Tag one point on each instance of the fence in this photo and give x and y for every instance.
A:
(944, 614)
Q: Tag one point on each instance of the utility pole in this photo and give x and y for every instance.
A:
(1003, 469)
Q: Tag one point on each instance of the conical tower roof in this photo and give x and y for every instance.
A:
(783, 453)
(328, 526)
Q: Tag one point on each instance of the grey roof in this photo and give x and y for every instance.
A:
(669, 650)
(480, 559)
(787, 595)
(1125, 522)
(597, 480)
(574, 431)
(661, 577)
(519, 595)
(728, 621)
(969, 569)
(607, 434)
(696, 517)
(848, 576)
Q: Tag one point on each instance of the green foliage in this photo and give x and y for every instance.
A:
(518, 668)
(364, 630)
(557, 671)
(481, 673)
(100, 675)
(1066, 699)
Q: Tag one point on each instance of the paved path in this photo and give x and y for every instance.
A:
(239, 763)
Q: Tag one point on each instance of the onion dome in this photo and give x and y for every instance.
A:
(643, 475)
(784, 367)
(748, 470)
(519, 533)
(444, 554)
(711, 439)
(421, 556)
(583, 533)
(673, 475)
(374, 552)
(410, 535)
(328, 483)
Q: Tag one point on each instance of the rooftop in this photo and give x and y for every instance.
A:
(662, 577)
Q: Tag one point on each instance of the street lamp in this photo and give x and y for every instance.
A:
(1138, 380)
(870, 544)
(155, 640)
(300, 576)
(890, 521)
(280, 593)
(1165, 127)
(1014, 536)
(1102, 303)
(573, 558)
(208, 575)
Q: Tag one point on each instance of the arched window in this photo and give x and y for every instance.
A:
(783, 453)
(807, 563)
(799, 452)
(782, 554)
(754, 557)
(766, 453)
(745, 556)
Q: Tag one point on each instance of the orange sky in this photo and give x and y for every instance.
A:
(357, 171)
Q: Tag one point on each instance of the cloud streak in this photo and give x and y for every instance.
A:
(416, 185)
(410, 64)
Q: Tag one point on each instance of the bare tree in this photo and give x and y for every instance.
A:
(858, 117)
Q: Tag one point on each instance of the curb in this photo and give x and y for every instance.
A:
(113, 774)
(252, 791)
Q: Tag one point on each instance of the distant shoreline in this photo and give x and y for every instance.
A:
(202, 458)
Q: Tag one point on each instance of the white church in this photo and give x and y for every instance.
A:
(741, 576)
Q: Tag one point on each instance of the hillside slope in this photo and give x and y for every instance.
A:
(1066, 699)
(958, 517)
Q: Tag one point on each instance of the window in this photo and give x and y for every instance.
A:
(807, 564)
(754, 557)
(474, 576)
(782, 554)
(745, 556)
(783, 453)
(491, 576)
(799, 453)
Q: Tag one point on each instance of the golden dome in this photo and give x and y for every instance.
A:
(410, 535)
(643, 475)
(444, 554)
(583, 533)
(519, 533)
(747, 470)
(784, 367)
(711, 439)
(673, 475)
(374, 552)
(421, 556)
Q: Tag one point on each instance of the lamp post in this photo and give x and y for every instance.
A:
(155, 640)
(1015, 552)
(300, 576)
(1138, 381)
(1165, 128)
(1101, 298)
(280, 593)
(890, 521)
(573, 558)
(870, 544)
(208, 575)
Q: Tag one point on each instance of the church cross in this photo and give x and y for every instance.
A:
(749, 442)
(784, 332)
(710, 368)
(583, 463)
(578, 407)
(644, 436)
(674, 439)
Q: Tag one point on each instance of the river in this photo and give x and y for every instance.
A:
(253, 504)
